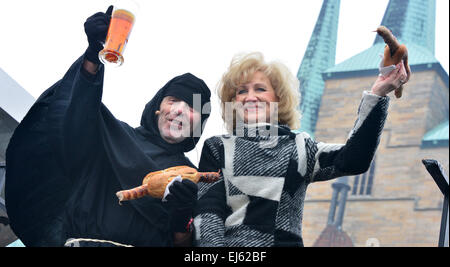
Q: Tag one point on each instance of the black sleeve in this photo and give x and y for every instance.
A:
(212, 209)
(80, 129)
(355, 157)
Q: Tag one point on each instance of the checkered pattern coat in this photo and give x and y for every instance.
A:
(258, 200)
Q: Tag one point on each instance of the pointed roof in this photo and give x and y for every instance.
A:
(370, 58)
(440, 132)
(14, 100)
(331, 236)
(413, 23)
(14, 104)
(438, 136)
(319, 56)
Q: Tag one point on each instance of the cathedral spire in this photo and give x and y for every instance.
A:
(412, 21)
(319, 56)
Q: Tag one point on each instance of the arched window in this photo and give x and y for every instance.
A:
(363, 183)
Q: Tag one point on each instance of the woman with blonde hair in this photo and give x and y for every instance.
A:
(265, 167)
(242, 68)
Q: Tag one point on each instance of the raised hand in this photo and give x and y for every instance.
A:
(394, 80)
(96, 28)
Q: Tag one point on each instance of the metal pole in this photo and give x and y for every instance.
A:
(434, 168)
(443, 235)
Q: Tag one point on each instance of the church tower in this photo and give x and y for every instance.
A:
(396, 203)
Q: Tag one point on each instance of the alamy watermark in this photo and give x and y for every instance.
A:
(249, 119)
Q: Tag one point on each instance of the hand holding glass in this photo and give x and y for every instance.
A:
(122, 21)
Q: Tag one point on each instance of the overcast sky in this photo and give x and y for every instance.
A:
(41, 39)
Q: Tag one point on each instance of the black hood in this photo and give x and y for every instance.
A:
(182, 87)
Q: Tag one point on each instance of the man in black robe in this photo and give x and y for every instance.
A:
(69, 156)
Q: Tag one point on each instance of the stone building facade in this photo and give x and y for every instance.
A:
(401, 205)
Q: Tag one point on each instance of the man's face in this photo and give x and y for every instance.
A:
(176, 120)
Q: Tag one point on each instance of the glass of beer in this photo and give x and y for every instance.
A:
(122, 21)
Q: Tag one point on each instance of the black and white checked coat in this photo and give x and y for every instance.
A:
(258, 200)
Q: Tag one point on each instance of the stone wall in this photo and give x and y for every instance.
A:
(405, 205)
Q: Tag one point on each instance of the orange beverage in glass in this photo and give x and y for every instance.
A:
(119, 30)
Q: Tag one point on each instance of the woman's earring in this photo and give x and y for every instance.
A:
(157, 112)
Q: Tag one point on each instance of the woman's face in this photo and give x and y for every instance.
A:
(176, 120)
(254, 99)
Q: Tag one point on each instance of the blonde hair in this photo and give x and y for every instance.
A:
(241, 70)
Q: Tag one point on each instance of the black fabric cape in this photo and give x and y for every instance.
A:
(69, 156)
